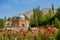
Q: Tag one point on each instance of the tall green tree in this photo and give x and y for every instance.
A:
(1, 23)
(9, 19)
(38, 17)
(5, 18)
(13, 18)
(57, 22)
(32, 23)
(58, 13)
(53, 8)
(35, 11)
(49, 15)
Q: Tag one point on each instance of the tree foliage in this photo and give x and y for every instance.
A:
(57, 22)
(58, 35)
(5, 18)
(40, 19)
(27, 18)
(58, 13)
(52, 8)
(36, 17)
(1, 23)
(9, 19)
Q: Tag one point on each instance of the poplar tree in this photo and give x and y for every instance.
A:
(1, 23)
(35, 11)
(53, 8)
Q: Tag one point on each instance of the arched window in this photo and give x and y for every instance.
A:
(22, 25)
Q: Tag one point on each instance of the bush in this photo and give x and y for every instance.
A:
(58, 35)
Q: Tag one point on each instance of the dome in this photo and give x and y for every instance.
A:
(20, 16)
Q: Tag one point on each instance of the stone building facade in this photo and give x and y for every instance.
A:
(20, 22)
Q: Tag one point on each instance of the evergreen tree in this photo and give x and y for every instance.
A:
(53, 8)
(57, 22)
(35, 11)
(13, 18)
(58, 13)
(49, 15)
(1, 23)
(9, 19)
(49, 18)
(37, 16)
(5, 18)
(32, 24)
(40, 17)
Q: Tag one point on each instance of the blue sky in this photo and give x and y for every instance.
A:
(10, 8)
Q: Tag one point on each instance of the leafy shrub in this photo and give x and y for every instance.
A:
(58, 35)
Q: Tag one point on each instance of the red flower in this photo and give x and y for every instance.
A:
(54, 34)
(30, 37)
(48, 31)
(4, 31)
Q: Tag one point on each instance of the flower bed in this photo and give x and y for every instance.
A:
(48, 34)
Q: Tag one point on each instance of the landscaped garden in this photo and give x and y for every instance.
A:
(31, 34)
(43, 27)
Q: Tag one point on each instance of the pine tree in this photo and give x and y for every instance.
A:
(5, 18)
(53, 8)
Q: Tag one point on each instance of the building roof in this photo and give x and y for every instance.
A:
(20, 16)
